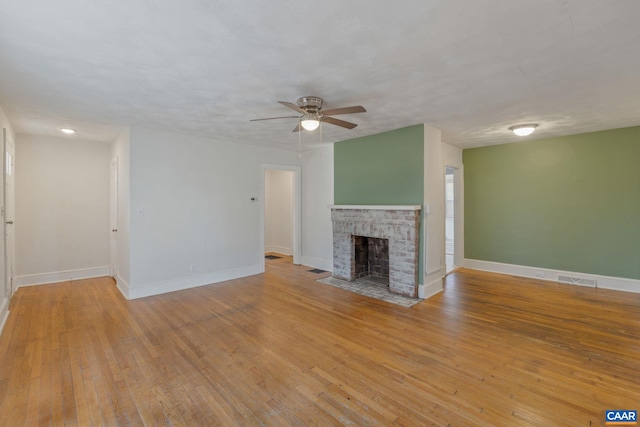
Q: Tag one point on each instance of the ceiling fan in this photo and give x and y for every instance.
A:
(310, 108)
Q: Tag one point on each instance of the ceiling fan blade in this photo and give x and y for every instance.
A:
(293, 106)
(338, 122)
(274, 118)
(344, 110)
(297, 128)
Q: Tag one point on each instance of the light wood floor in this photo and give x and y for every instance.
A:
(281, 349)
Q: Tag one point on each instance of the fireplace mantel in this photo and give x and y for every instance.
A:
(379, 207)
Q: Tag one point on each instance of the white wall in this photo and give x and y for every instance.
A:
(192, 218)
(120, 152)
(278, 211)
(4, 289)
(434, 198)
(317, 195)
(452, 155)
(62, 209)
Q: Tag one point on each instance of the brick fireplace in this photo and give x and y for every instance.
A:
(397, 227)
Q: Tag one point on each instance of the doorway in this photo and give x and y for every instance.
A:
(450, 219)
(280, 213)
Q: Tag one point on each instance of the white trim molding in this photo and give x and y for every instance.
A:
(279, 250)
(172, 285)
(318, 263)
(62, 276)
(430, 289)
(434, 284)
(122, 285)
(604, 282)
(379, 207)
(4, 313)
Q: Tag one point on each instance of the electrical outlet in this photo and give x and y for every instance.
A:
(192, 267)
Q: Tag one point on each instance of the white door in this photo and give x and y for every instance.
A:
(9, 210)
(114, 218)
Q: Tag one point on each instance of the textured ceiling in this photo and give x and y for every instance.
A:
(469, 67)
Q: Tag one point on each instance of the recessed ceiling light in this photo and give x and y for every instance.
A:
(67, 131)
(523, 130)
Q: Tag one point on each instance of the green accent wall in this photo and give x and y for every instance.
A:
(569, 203)
(382, 169)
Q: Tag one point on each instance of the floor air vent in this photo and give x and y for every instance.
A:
(577, 281)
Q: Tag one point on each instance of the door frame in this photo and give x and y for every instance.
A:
(113, 217)
(9, 249)
(297, 209)
(458, 211)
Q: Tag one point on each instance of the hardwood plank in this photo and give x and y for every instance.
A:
(282, 349)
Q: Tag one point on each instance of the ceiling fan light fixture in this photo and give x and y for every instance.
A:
(310, 123)
(523, 130)
(311, 114)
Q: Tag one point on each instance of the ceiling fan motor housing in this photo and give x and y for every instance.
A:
(311, 104)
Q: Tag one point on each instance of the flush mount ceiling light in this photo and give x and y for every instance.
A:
(68, 131)
(310, 122)
(523, 130)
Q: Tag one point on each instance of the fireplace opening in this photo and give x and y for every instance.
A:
(371, 258)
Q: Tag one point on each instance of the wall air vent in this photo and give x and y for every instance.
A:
(571, 280)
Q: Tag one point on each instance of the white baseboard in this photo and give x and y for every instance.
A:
(430, 289)
(434, 283)
(61, 276)
(317, 263)
(172, 285)
(122, 285)
(604, 282)
(279, 250)
(4, 313)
